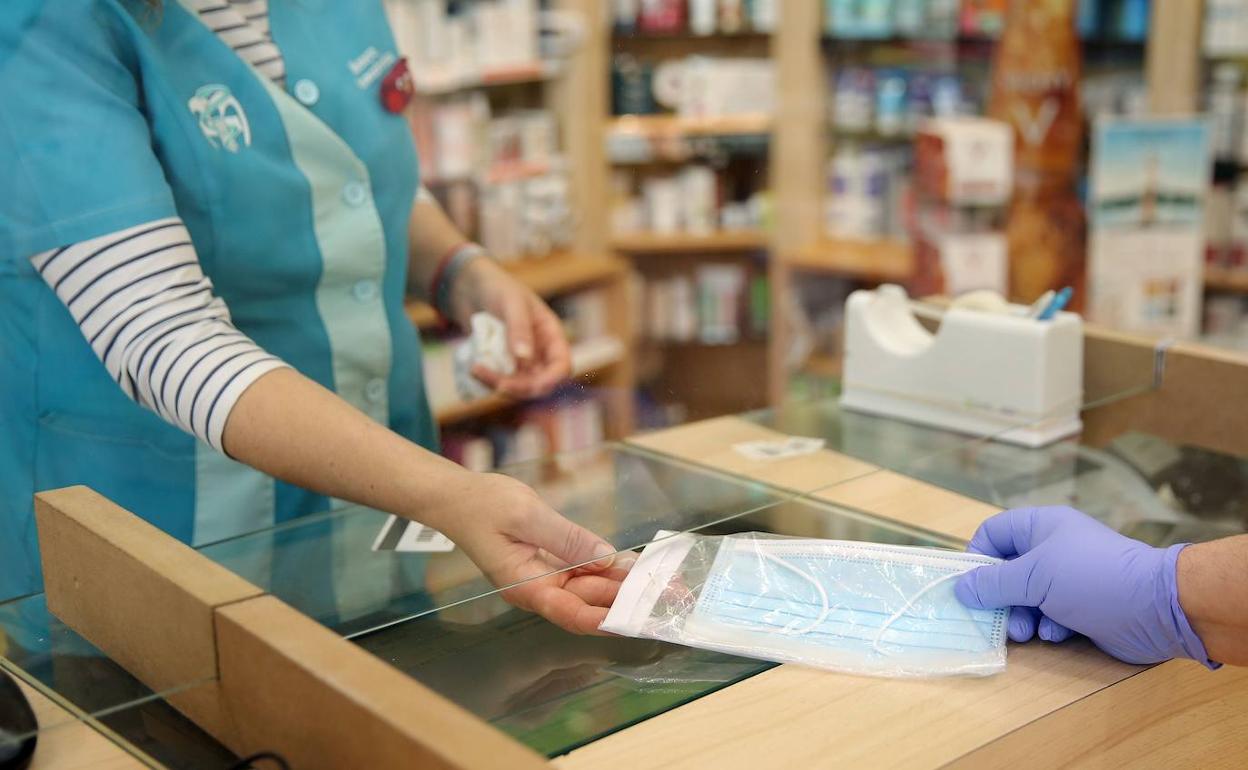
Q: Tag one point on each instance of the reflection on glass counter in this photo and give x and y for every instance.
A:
(554, 691)
(1139, 484)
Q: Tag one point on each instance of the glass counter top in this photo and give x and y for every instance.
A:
(435, 617)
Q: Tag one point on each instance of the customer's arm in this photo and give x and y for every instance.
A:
(1213, 589)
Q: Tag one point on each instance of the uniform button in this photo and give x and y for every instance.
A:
(375, 390)
(354, 194)
(307, 92)
(365, 290)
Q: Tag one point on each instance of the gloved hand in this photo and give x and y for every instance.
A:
(1067, 572)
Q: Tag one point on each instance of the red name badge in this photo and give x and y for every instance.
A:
(397, 87)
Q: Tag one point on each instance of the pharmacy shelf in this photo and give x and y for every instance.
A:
(824, 366)
(684, 243)
(689, 35)
(881, 260)
(422, 315)
(563, 272)
(589, 358)
(1223, 279)
(499, 174)
(533, 72)
(658, 127)
(547, 276)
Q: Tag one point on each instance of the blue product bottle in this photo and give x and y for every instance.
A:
(1132, 22)
(860, 19)
(890, 102)
(1089, 19)
(910, 18)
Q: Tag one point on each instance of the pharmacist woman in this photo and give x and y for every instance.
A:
(209, 217)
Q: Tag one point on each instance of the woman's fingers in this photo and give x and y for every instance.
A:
(552, 345)
(561, 607)
(595, 590)
(518, 317)
(562, 539)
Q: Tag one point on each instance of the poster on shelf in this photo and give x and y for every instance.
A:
(1149, 182)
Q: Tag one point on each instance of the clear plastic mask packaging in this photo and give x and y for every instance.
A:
(860, 608)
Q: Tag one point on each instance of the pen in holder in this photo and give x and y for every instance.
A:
(1003, 374)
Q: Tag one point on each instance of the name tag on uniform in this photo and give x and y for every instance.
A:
(397, 87)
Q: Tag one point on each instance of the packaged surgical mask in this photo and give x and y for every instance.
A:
(862, 608)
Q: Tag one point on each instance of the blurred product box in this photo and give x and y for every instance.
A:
(1226, 27)
(983, 18)
(965, 161)
(974, 261)
(449, 44)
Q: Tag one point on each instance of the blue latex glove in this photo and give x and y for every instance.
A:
(1067, 573)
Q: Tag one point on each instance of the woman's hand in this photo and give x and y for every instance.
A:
(534, 333)
(512, 535)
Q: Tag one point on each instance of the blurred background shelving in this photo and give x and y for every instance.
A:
(687, 132)
(726, 173)
(505, 149)
(885, 67)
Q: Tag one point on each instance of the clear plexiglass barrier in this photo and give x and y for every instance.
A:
(435, 617)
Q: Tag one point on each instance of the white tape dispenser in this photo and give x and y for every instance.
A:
(990, 369)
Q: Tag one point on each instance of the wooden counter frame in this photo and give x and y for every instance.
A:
(261, 675)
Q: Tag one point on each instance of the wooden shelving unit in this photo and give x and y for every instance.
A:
(587, 366)
(548, 277)
(684, 243)
(560, 273)
(1222, 279)
(571, 88)
(823, 366)
(798, 137)
(657, 127)
(800, 150)
(535, 72)
(707, 379)
(422, 315)
(879, 261)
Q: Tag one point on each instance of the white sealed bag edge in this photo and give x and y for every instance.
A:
(646, 580)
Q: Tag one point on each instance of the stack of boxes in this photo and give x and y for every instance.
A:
(963, 183)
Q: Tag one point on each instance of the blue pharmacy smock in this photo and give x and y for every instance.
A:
(113, 114)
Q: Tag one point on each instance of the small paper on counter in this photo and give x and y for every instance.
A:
(793, 446)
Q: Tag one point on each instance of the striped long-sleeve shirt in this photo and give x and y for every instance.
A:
(142, 301)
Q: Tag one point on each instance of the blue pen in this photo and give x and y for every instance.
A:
(1059, 301)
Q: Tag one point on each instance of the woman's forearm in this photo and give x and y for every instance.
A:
(291, 428)
(430, 236)
(1213, 590)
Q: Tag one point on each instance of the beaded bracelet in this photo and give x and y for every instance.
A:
(449, 268)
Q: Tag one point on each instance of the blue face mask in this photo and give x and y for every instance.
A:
(859, 607)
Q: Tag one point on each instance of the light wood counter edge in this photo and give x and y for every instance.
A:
(1176, 714)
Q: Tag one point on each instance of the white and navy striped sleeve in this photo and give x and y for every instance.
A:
(149, 313)
(243, 25)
